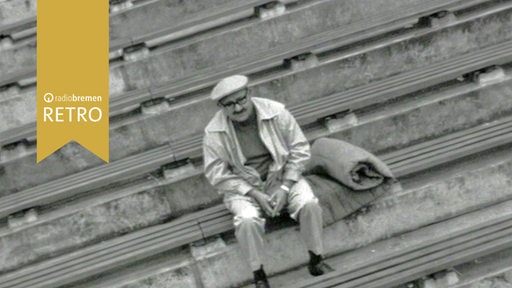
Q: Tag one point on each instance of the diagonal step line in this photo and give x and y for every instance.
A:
(459, 148)
(443, 158)
(451, 138)
(158, 156)
(448, 145)
(396, 82)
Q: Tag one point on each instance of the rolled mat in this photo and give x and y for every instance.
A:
(350, 165)
(346, 178)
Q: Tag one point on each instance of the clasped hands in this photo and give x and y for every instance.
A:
(273, 204)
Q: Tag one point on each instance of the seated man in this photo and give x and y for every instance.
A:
(254, 155)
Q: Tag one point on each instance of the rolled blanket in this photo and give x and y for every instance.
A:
(350, 165)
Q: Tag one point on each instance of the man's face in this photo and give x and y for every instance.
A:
(237, 106)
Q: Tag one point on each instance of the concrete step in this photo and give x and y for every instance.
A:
(484, 272)
(176, 197)
(13, 11)
(17, 107)
(409, 264)
(17, 77)
(170, 18)
(480, 271)
(166, 17)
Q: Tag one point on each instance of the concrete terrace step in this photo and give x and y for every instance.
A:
(483, 268)
(17, 76)
(182, 21)
(17, 107)
(92, 178)
(170, 21)
(396, 256)
(434, 255)
(150, 241)
(13, 30)
(212, 221)
(27, 131)
(441, 150)
(359, 98)
(151, 160)
(125, 25)
(225, 267)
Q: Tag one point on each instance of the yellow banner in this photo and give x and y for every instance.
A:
(72, 76)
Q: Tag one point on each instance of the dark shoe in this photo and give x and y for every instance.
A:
(262, 284)
(319, 268)
(260, 278)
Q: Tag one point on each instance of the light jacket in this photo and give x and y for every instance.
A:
(224, 161)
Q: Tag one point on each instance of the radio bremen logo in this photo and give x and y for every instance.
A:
(71, 113)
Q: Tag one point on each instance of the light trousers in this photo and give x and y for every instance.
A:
(302, 205)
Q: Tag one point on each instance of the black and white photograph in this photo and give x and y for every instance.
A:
(260, 143)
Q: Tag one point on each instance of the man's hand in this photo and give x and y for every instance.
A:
(279, 197)
(262, 199)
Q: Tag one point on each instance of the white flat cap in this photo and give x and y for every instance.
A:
(228, 85)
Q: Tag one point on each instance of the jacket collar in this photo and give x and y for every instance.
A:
(264, 109)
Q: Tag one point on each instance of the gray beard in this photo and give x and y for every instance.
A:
(252, 120)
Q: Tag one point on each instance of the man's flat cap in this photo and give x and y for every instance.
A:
(228, 85)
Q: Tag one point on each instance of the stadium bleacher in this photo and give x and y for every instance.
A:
(159, 161)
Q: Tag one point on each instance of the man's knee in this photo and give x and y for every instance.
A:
(249, 222)
(311, 208)
(312, 205)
